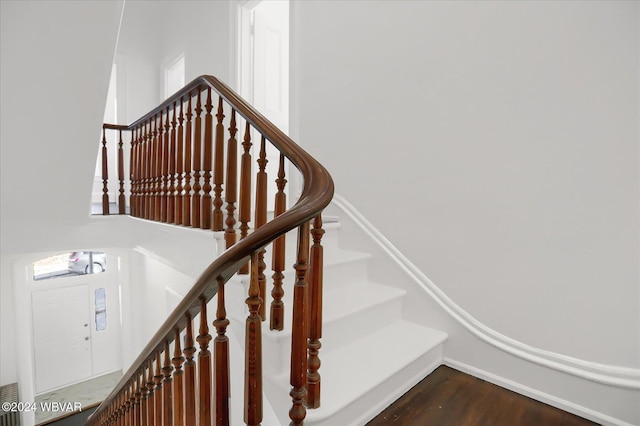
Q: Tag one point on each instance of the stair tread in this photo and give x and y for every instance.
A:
(361, 365)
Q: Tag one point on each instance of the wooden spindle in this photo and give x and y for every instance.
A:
(299, 333)
(167, 387)
(133, 172)
(178, 382)
(253, 351)
(157, 208)
(159, 391)
(153, 169)
(278, 257)
(171, 200)
(189, 375)
(132, 399)
(150, 396)
(197, 165)
(261, 219)
(186, 201)
(206, 161)
(127, 407)
(218, 171)
(143, 402)
(204, 368)
(121, 199)
(164, 203)
(138, 398)
(147, 167)
(244, 208)
(180, 168)
(221, 361)
(231, 189)
(315, 312)
(105, 175)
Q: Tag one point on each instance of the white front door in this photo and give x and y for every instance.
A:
(62, 336)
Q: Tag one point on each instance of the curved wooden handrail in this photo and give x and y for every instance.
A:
(316, 194)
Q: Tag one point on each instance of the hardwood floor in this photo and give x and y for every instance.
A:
(449, 397)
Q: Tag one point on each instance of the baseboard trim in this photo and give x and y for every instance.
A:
(544, 397)
(612, 375)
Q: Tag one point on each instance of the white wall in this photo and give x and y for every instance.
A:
(496, 145)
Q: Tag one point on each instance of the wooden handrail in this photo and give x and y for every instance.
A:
(316, 194)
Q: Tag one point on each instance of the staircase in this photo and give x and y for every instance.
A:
(370, 355)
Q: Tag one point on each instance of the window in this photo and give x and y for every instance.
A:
(101, 309)
(70, 264)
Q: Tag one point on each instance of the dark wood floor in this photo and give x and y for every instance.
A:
(448, 397)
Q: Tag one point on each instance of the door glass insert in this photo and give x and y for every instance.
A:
(101, 309)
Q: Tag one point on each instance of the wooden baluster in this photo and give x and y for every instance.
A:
(132, 398)
(244, 209)
(315, 310)
(278, 260)
(221, 361)
(166, 159)
(121, 199)
(208, 158)
(253, 351)
(167, 395)
(180, 168)
(143, 403)
(105, 175)
(231, 187)
(261, 219)
(299, 332)
(137, 166)
(158, 172)
(204, 368)
(189, 376)
(197, 164)
(146, 160)
(127, 408)
(186, 201)
(138, 397)
(171, 200)
(150, 397)
(159, 394)
(178, 382)
(152, 169)
(133, 178)
(218, 171)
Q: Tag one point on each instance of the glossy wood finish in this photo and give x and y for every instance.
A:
(173, 132)
(206, 164)
(315, 314)
(278, 257)
(298, 376)
(450, 397)
(178, 382)
(105, 174)
(121, 197)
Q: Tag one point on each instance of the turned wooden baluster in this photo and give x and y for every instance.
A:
(159, 392)
(315, 312)
(299, 332)
(204, 368)
(105, 175)
(261, 219)
(167, 396)
(121, 199)
(186, 201)
(218, 171)
(178, 382)
(146, 161)
(197, 164)
(133, 172)
(127, 408)
(231, 189)
(278, 260)
(180, 168)
(244, 208)
(208, 146)
(143, 403)
(253, 351)
(153, 169)
(132, 409)
(150, 397)
(157, 208)
(189, 375)
(171, 200)
(138, 407)
(221, 361)
(164, 203)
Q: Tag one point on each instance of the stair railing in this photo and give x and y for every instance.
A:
(183, 169)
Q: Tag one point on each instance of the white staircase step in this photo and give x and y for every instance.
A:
(363, 377)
